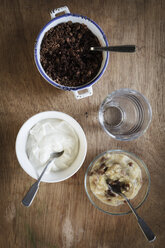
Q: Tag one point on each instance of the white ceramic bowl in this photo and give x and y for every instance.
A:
(21, 140)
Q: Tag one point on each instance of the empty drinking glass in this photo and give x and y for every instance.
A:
(125, 114)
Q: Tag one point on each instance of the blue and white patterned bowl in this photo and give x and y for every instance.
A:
(93, 27)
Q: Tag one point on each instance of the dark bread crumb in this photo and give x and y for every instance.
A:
(65, 54)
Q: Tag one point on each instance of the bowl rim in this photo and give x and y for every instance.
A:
(127, 153)
(23, 134)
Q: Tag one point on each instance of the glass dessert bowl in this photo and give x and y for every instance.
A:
(123, 169)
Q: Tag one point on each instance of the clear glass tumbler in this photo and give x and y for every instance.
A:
(125, 114)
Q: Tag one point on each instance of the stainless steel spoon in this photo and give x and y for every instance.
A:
(30, 195)
(144, 227)
(123, 49)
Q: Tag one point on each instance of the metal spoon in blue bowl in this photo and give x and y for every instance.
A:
(122, 49)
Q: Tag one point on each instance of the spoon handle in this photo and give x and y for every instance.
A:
(123, 49)
(42, 173)
(146, 230)
(27, 200)
(30, 195)
(144, 227)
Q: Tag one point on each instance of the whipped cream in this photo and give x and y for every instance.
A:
(48, 136)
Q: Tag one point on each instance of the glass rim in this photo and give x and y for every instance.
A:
(133, 155)
(133, 136)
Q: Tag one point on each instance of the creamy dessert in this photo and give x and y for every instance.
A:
(48, 136)
(115, 169)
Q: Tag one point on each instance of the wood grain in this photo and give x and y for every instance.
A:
(62, 216)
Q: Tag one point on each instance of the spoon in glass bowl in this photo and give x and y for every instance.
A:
(115, 187)
(30, 195)
(123, 49)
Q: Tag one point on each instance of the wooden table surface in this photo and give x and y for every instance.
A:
(61, 215)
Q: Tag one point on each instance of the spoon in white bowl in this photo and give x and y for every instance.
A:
(30, 195)
(122, 49)
(144, 227)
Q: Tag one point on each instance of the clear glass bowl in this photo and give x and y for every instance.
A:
(121, 209)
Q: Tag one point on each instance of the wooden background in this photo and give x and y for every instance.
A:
(61, 215)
